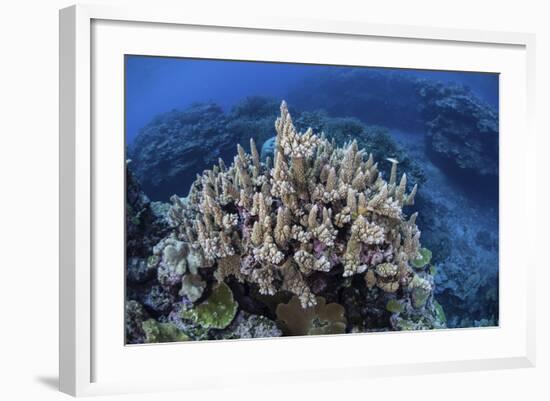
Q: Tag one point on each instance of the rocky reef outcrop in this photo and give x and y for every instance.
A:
(177, 142)
(374, 97)
(146, 224)
(462, 130)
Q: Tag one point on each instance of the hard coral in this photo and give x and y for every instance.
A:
(217, 312)
(246, 325)
(319, 208)
(135, 315)
(156, 332)
(315, 320)
(424, 258)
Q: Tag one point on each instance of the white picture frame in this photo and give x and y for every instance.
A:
(88, 366)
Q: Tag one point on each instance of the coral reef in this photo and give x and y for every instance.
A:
(372, 137)
(463, 236)
(192, 287)
(462, 130)
(449, 137)
(286, 224)
(167, 149)
(424, 257)
(474, 290)
(146, 224)
(346, 129)
(134, 316)
(306, 224)
(254, 117)
(274, 227)
(179, 142)
(362, 93)
(452, 134)
(164, 151)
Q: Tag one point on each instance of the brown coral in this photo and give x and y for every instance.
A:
(314, 320)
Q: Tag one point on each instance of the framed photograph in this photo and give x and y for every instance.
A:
(244, 193)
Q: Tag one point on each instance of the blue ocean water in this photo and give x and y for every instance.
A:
(158, 84)
(441, 125)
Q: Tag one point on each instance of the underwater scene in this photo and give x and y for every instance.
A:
(277, 199)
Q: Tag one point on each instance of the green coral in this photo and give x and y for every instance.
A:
(394, 306)
(407, 324)
(429, 316)
(439, 312)
(425, 255)
(156, 332)
(376, 139)
(316, 320)
(217, 312)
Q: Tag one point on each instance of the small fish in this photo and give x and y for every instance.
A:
(391, 159)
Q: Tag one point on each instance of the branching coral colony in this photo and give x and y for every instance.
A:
(318, 210)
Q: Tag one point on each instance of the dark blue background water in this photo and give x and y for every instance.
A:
(159, 84)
